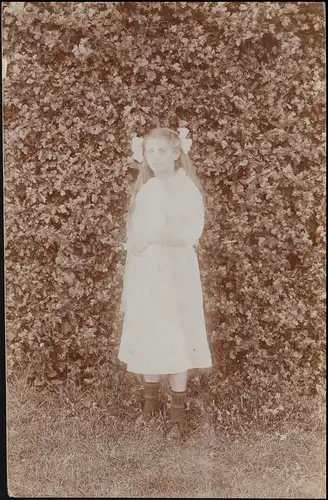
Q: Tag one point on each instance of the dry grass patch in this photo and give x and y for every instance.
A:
(64, 448)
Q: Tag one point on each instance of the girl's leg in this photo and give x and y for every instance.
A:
(151, 394)
(179, 381)
(178, 391)
(152, 378)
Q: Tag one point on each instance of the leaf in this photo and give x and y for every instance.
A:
(66, 326)
(15, 6)
(90, 380)
(38, 381)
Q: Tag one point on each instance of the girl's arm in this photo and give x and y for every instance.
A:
(146, 223)
(178, 222)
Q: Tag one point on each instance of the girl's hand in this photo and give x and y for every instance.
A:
(138, 249)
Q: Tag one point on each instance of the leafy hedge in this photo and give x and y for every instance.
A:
(247, 79)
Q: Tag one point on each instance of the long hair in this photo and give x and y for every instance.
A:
(146, 173)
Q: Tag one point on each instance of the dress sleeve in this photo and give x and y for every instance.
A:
(139, 226)
(186, 217)
(137, 234)
(148, 217)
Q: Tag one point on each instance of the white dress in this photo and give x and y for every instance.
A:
(164, 327)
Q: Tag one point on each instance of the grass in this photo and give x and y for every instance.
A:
(77, 445)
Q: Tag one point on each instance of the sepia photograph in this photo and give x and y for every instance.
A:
(165, 249)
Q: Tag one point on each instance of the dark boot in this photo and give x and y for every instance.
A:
(151, 394)
(178, 415)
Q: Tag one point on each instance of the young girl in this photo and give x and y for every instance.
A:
(164, 328)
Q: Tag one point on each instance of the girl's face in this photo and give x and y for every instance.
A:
(160, 156)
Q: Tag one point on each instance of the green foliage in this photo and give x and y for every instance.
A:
(247, 79)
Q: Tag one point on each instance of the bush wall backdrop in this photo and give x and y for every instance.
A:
(248, 80)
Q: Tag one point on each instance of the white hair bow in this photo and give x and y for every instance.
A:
(137, 143)
(137, 148)
(185, 143)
